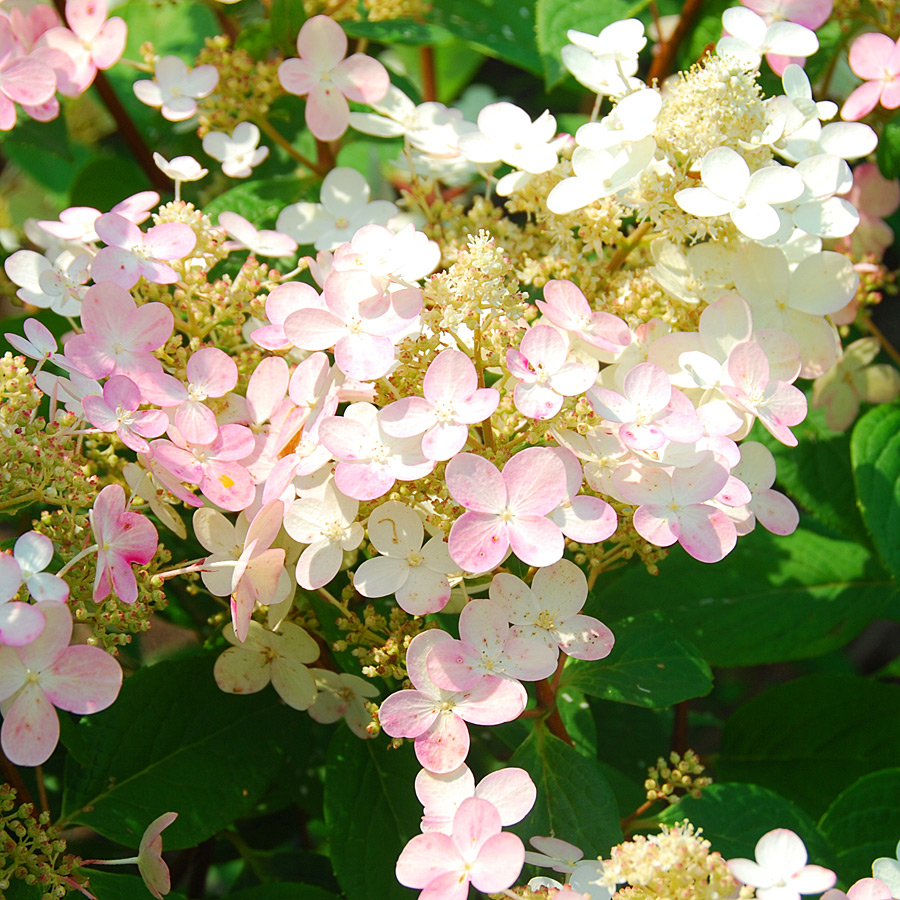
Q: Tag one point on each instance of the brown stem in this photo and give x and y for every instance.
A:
(11, 776)
(638, 812)
(288, 147)
(429, 82)
(325, 155)
(546, 697)
(680, 727)
(665, 61)
(228, 25)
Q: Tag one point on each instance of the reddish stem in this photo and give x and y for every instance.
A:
(664, 62)
(546, 697)
(429, 81)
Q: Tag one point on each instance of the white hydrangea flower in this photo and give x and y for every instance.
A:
(345, 207)
(605, 63)
(756, 38)
(749, 199)
(239, 153)
(632, 119)
(600, 173)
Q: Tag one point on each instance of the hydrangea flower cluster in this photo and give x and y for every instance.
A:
(417, 412)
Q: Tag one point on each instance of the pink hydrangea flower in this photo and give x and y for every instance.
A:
(649, 411)
(776, 404)
(876, 58)
(119, 336)
(864, 889)
(545, 375)
(122, 538)
(476, 852)
(548, 614)
(780, 871)
(131, 254)
(328, 80)
(757, 470)
(565, 306)
(117, 410)
(510, 790)
(23, 79)
(150, 863)
(507, 509)
(436, 718)
(77, 222)
(488, 647)
(370, 460)
(876, 198)
(672, 506)
(210, 373)
(215, 466)
(48, 673)
(91, 42)
(243, 564)
(452, 402)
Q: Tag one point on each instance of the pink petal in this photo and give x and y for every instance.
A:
(862, 101)
(20, 624)
(492, 701)
(535, 480)
(170, 240)
(511, 791)
(362, 79)
(28, 81)
(445, 745)
(870, 54)
(53, 640)
(536, 540)
(585, 637)
(364, 357)
(478, 541)
(444, 440)
(706, 533)
(475, 821)
(30, 728)
(108, 46)
(322, 43)
(450, 376)
(83, 680)
(476, 484)
(657, 524)
(425, 858)
(499, 863)
(327, 112)
(537, 401)
(297, 76)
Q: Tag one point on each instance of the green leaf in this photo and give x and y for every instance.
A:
(554, 18)
(771, 599)
(503, 29)
(398, 31)
(818, 475)
(114, 886)
(863, 822)
(261, 201)
(888, 152)
(735, 816)
(286, 18)
(811, 738)
(283, 891)
(371, 811)
(101, 182)
(19, 890)
(574, 801)
(875, 449)
(648, 666)
(199, 752)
